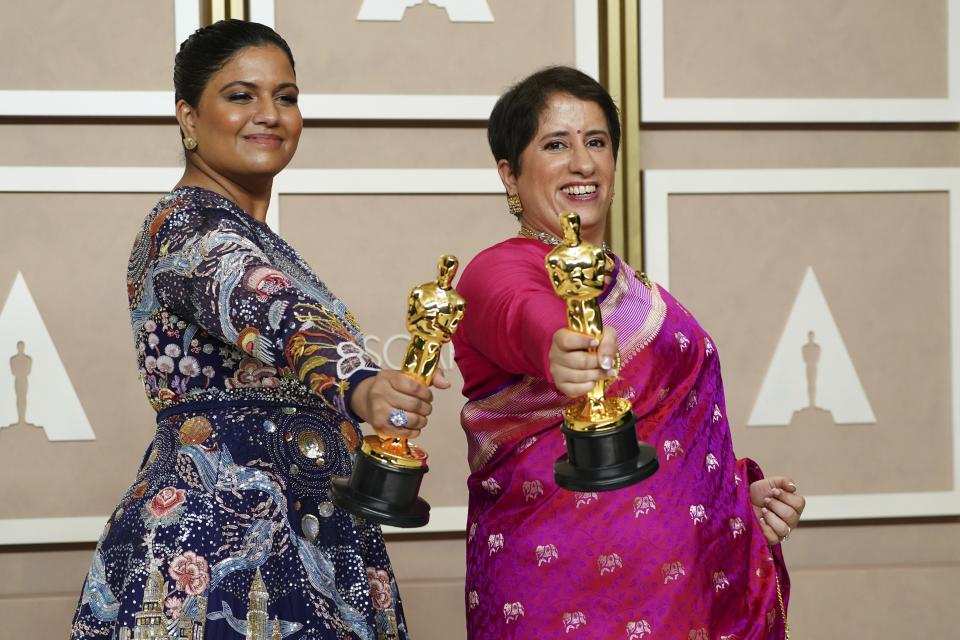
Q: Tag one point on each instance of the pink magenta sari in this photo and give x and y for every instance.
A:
(679, 555)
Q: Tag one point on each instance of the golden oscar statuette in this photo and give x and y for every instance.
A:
(603, 452)
(386, 476)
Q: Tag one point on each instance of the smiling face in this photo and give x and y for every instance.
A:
(567, 166)
(247, 123)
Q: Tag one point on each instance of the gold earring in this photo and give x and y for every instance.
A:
(514, 205)
(189, 143)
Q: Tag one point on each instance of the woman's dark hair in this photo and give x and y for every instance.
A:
(208, 49)
(516, 116)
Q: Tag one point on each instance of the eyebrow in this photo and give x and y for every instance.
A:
(253, 85)
(566, 134)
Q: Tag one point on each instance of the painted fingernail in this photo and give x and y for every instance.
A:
(777, 492)
(611, 373)
(764, 511)
(606, 362)
(766, 500)
(594, 343)
(792, 486)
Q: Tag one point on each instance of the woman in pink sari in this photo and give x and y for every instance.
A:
(691, 552)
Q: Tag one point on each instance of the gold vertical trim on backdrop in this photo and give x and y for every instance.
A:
(215, 10)
(620, 73)
(610, 75)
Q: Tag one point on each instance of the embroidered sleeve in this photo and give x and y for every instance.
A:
(209, 268)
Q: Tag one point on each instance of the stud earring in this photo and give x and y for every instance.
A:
(189, 143)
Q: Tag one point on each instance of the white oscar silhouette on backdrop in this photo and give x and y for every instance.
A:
(811, 370)
(20, 366)
(457, 10)
(35, 389)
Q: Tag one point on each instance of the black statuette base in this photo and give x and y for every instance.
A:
(382, 493)
(604, 460)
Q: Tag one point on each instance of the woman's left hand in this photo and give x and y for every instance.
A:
(777, 506)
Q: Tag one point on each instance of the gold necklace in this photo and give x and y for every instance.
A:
(542, 236)
(546, 238)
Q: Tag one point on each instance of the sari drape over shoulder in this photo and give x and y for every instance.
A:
(679, 555)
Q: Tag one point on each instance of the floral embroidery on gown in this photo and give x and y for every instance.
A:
(228, 530)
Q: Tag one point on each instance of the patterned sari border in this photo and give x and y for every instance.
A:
(636, 343)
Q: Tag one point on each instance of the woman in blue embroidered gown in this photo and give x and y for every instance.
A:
(259, 377)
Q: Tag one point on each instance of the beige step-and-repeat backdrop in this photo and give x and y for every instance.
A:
(791, 172)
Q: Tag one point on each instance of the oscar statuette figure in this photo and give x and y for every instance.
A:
(603, 452)
(387, 473)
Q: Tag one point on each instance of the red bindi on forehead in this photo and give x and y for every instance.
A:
(578, 131)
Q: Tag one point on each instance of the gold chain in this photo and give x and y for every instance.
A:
(783, 610)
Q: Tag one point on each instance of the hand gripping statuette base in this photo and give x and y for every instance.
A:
(600, 432)
(387, 473)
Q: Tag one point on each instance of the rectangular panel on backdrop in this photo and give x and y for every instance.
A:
(832, 298)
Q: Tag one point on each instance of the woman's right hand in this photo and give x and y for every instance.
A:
(574, 369)
(376, 397)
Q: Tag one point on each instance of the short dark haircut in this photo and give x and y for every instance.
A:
(208, 49)
(516, 116)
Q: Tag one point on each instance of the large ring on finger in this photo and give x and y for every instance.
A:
(398, 418)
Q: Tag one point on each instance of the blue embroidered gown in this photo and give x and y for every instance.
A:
(228, 530)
